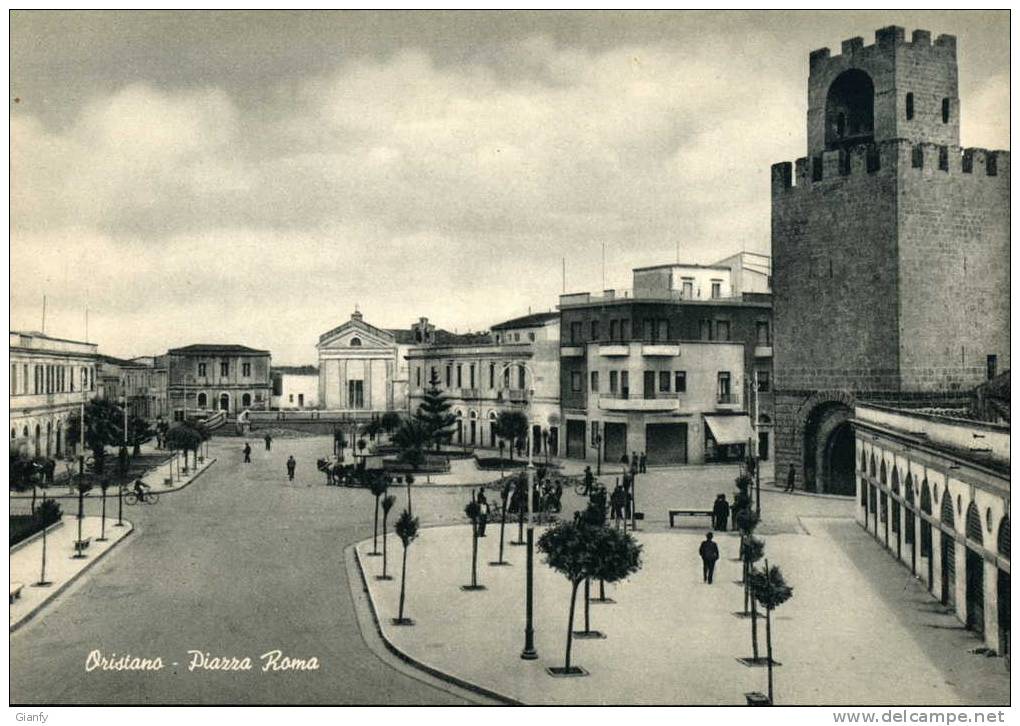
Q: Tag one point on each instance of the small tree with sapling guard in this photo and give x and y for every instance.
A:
(407, 530)
(504, 495)
(387, 504)
(580, 551)
(770, 590)
(377, 485)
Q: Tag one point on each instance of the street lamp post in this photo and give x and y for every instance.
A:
(598, 453)
(529, 652)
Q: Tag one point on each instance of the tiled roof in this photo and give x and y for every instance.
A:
(121, 362)
(215, 348)
(527, 321)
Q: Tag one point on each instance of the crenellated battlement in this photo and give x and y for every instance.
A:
(886, 157)
(886, 39)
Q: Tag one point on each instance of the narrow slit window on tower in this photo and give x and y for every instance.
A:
(873, 162)
(944, 158)
(910, 106)
(992, 165)
(945, 110)
(917, 157)
(816, 168)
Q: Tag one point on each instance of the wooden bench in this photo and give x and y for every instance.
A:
(82, 544)
(16, 588)
(674, 513)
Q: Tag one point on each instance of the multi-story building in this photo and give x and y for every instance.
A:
(934, 490)
(363, 369)
(217, 377)
(674, 368)
(515, 367)
(891, 250)
(137, 381)
(295, 387)
(50, 378)
(152, 396)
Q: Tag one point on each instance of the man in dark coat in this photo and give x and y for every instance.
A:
(643, 464)
(709, 552)
(247, 453)
(791, 479)
(616, 502)
(483, 512)
(291, 466)
(269, 442)
(720, 513)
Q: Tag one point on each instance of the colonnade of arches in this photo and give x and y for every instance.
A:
(953, 535)
(474, 430)
(39, 439)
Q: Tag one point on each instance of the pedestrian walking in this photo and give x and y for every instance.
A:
(483, 512)
(616, 502)
(709, 552)
(247, 453)
(269, 442)
(791, 479)
(720, 513)
(628, 480)
(589, 480)
(291, 466)
(643, 463)
(633, 462)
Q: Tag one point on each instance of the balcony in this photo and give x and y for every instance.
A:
(727, 400)
(763, 351)
(572, 351)
(660, 349)
(655, 403)
(512, 395)
(614, 350)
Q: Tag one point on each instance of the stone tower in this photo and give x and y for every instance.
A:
(890, 245)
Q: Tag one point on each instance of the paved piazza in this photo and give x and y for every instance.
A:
(242, 562)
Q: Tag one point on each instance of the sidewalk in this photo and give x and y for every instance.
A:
(61, 567)
(672, 639)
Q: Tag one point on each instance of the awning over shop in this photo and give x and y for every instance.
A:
(730, 429)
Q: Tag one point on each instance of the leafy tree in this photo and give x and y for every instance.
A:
(104, 426)
(407, 530)
(24, 474)
(377, 484)
(184, 437)
(770, 589)
(473, 511)
(139, 432)
(387, 504)
(580, 551)
(434, 413)
(372, 428)
(390, 421)
(511, 426)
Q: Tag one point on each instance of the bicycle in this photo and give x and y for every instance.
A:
(131, 498)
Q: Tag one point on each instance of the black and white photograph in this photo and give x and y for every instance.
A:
(403, 358)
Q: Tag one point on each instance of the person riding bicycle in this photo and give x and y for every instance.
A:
(140, 488)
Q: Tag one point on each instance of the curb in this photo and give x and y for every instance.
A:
(190, 481)
(35, 611)
(25, 542)
(800, 493)
(434, 672)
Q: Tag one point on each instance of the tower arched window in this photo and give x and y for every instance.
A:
(850, 110)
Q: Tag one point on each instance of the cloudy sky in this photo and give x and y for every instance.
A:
(249, 177)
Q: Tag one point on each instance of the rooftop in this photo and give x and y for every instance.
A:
(216, 348)
(528, 321)
(296, 370)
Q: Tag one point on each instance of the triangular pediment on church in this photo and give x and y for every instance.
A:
(344, 336)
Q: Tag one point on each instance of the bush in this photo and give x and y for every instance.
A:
(492, 463)
(23, 526)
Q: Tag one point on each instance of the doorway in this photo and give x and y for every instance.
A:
(975, 574)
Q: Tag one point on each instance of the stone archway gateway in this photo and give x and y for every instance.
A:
(828, 443)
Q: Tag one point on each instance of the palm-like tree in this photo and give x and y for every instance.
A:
(387, 504)
(504, 495)
(770, 589)
(407, 530)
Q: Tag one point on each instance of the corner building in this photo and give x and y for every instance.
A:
(891, 250)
